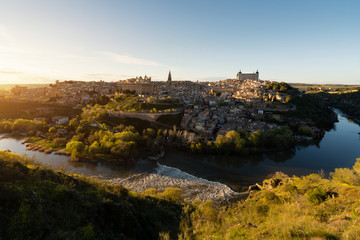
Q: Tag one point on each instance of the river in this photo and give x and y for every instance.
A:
(209, 177)
(339, 148)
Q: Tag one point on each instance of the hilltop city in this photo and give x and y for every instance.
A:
(209, 108)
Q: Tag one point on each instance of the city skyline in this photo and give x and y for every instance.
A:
(308, 42)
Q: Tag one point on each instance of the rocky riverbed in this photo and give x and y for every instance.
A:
(192, 186)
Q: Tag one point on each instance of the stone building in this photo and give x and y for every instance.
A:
(245, 76)
(140, 80)
(141, 85)
(139, 88)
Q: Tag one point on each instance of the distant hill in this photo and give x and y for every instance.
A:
(9, 86)
(305, 86)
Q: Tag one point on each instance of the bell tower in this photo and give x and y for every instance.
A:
(239, 75)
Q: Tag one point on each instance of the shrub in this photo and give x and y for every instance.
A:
(316, 195)
(172, 194)
(269, 197)
(345, 175)
(151, 192)
(87, 232)
(290, 188)
(60, 141)
(305, 131)
(356, 166)
(164, 236)
(52, 130)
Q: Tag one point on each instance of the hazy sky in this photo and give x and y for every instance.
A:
(294, 41)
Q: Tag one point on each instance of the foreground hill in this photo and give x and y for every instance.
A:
(309, 207)
(39, 203)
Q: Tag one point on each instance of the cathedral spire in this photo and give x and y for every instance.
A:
(169, 77)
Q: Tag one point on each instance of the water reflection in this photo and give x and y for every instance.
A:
(281, 156)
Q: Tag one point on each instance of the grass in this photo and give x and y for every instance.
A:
(40, 203)
(49, 144)
(139, 124)
(171, 119)
(129, 103)
(33, 139)
(296, 208)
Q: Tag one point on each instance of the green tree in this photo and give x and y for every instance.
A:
(52, 130)
(149, 132)
(220, 141)
(74, 123)
(60, 141)
(256, 138)
(26, 125)
(95, 148)
(124, 149)
(127, 136)
(75, 148)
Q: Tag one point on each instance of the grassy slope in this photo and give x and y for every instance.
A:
(347, 102)
(310, 108)
(305, 86)
(171, 119)
(38, 203)
(309, 207)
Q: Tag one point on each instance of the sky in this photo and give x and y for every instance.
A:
(304, 41)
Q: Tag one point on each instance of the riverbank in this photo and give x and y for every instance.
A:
(140, 176)
(355, 119)
(192, 187)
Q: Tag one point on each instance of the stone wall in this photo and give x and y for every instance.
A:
(139, 88)
(251, 76)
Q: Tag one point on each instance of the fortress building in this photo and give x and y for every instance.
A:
(245, 76)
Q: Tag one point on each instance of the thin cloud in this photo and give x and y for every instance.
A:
(106, 76)
(4, 33)
(212, 79)
(131, 60)
(9, 71)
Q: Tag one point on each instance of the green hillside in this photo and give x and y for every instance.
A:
(39, 203)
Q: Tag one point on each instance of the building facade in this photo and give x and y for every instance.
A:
(140, 85)
(246, 76)
(139, 88)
